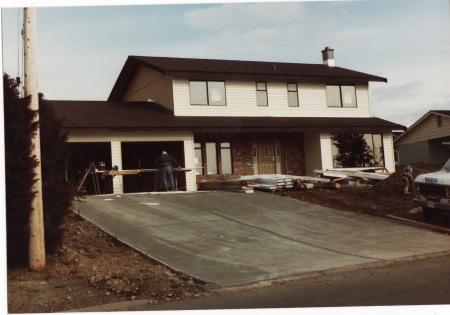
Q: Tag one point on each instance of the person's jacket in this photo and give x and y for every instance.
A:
(165, 160)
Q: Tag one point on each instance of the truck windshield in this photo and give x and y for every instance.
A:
(447, 166)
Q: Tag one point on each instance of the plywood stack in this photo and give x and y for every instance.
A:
(267, 182)
(271, 181)
(369, 174)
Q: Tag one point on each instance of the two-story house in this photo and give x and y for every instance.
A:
(226, 117)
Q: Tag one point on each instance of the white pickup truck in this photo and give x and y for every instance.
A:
(432, 191)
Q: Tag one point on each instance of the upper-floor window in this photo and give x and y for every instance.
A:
(207, 92)
(341, 95)
(439, 121)
(261, 94)
(292, 94)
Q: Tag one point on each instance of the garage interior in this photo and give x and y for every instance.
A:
(135, 155)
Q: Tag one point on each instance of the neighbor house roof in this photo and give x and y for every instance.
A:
(152, 116)
(444, 113)
(233, 68)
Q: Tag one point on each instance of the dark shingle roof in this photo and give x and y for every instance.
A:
(151, 116)
(164, 64)
(260, 69)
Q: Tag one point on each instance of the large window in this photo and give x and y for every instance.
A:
(225, 156)
(211, 158)
(207, 92)
(218, 159)
(292, 94)
(261, 94)
(357, 150)
(341, 95)
(198, 159)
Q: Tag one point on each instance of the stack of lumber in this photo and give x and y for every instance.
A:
(370, 174)
(267, 182)
(270, 181)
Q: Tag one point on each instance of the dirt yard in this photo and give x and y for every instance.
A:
(380, 199)
(92, 268)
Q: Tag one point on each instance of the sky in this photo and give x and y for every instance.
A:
(81, 49)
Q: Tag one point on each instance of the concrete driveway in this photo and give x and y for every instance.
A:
(231, 239)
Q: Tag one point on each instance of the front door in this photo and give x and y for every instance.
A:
(266, 158)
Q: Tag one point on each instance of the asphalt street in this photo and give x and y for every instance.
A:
(417, 282)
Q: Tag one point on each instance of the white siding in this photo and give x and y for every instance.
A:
(326, 152)
(426, 130)
(241, 101)
(116, 138)
(116, 159)
(313, 155)
(388, 146)
(189, 158)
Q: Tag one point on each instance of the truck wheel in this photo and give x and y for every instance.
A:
(429, 213)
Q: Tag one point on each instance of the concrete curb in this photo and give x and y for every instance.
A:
(119, 306)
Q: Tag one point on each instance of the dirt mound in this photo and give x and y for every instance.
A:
(392, 186)
(93, 268)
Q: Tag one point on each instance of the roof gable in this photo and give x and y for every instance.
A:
(416, 125)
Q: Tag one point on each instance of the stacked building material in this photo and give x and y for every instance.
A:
(271, 181)
(367, 174)
(266, 182)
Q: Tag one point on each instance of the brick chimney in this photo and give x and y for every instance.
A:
(328, 56)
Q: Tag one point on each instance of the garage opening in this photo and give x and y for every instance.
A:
(142, 155)
(81, 156)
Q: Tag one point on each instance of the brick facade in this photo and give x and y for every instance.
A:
(292, 150)
(242, 155)
(294, 154)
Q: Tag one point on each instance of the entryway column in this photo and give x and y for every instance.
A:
(116, 160)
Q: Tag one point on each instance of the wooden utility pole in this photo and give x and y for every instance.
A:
(36, 249)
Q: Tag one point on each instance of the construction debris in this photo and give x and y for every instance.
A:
(366, 174)
(276, 182)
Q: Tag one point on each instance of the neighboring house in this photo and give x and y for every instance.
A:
(229, 118)
(426, 141)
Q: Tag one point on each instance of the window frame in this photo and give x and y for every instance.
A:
(212, 165)
(213, 160)
(261, 94)
(292, 95)
(225, 149)
(209, 92)
(376, 151)
(336, 98)
(198, 155)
